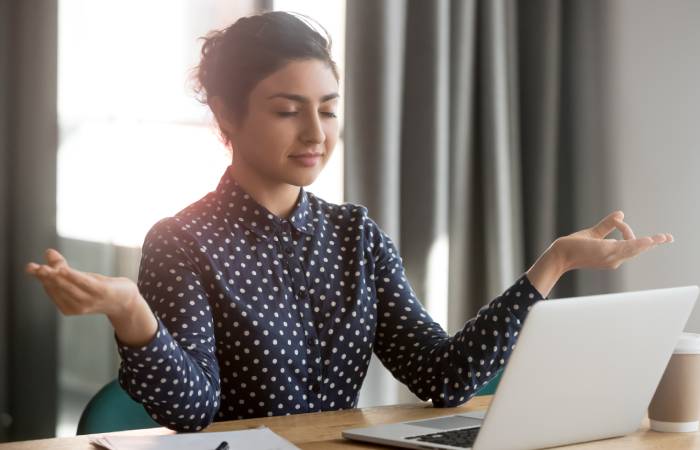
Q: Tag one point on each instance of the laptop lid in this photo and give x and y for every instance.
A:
(584, 368)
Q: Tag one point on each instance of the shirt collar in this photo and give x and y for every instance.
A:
(256, 217)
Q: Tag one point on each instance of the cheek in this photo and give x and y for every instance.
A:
(331, 131)
(266, 136)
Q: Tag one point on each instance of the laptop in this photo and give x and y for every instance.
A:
(584, 368)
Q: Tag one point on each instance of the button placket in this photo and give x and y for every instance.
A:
(299, 287)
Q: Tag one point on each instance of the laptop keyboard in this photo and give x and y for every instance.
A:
(457, 438)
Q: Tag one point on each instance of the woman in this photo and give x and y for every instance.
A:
(262, 299)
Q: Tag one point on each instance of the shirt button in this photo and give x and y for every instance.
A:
(315, 387)
(289, 251)
(310, 341)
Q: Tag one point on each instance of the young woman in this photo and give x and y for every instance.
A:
(261, 298)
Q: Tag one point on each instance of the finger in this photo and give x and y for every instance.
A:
(625, 229)
(65, 303)
(609, 223)
(45, 272)
(31, 268)
(55, 259)
(630, 248)
(64, 295)
(82, 280)
(633, 247)
(54, 293)
(670, 237)
(659, 238)
(73, 294)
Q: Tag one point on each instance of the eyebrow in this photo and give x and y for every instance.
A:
(301, 98)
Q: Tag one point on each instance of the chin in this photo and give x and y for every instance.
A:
(304, 182)
(302, 179)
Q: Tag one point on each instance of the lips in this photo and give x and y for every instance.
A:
(305, 155)
(307, 159)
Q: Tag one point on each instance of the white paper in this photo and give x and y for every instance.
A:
(258, 438)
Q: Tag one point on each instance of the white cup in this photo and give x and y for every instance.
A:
(676, 403)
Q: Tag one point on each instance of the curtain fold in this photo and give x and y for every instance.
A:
(498, 142)
(372, 28)
(465, 191)
(373, 104)
(468, 140)
(28, 140)
(4, 233)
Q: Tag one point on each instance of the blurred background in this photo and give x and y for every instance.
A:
(475, 131)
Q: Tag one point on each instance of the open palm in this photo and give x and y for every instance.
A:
(75, 292)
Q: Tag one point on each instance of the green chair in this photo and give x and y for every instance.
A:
(111, 409)
(490, 388)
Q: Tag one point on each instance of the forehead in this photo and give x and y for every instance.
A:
(310, 78)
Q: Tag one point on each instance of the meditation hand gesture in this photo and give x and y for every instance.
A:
(589, 249)
(77, 293)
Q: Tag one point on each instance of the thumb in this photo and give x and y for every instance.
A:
(55, 259)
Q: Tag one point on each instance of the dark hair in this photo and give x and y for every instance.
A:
(236, 58)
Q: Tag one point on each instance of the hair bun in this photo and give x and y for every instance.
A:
(236, 58)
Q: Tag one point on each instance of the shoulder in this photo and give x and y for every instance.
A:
(185, 225)
(341, 215)
(353, 219)
(167, 239)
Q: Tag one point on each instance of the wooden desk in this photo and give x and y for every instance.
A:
(321, 431)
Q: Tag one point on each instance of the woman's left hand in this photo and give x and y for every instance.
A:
(589, 249)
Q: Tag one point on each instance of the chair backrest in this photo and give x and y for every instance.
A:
(492, 385)
(111, 409)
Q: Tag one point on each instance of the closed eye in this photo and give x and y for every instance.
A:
(294, 113)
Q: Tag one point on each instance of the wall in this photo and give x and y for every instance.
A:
(653, 95)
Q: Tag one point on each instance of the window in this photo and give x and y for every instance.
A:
(130, 127)
(130, 131)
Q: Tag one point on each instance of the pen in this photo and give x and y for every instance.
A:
(222, 446)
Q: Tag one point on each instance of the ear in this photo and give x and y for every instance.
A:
(223, 115)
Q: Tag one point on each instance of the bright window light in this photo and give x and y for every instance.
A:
(135, 145)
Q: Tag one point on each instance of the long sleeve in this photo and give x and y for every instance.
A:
(449, 370)
(260, 315)
(176, 375)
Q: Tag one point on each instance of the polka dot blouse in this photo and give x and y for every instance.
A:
(263, 316)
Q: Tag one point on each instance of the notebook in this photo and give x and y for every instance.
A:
(257, 438)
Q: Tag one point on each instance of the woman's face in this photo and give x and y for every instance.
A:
(290, 128)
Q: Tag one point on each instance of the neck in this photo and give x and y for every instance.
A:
(279, 198)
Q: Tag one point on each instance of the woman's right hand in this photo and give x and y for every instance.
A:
(78, 293)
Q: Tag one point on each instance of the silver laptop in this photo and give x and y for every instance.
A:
(583, 369)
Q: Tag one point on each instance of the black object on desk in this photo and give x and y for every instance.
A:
(222, 446)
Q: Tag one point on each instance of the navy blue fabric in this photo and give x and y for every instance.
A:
(261, 316)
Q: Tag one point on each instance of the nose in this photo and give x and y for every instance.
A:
(313, 130)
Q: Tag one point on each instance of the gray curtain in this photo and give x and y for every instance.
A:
(28, 39)
(473, 131)
(28, 139)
